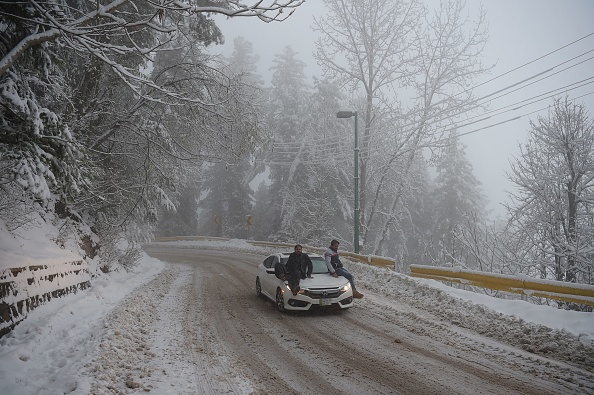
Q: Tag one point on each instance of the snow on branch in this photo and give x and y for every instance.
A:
(274, 11)
(91, 30)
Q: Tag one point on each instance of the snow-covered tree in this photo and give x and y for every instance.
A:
(85, 42)
(318, 195)
(262, 215)
(227, 202)
(38, 152)
(183, 220)
(552, 211)
(90, 27)
(458, 201)
(286, 117)
(381, 50)
(409, 240)
(110, 107)
(229, 197)
(243, 63)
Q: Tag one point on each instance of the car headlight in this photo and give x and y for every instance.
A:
(345, 287)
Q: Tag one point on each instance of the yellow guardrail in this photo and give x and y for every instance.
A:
(568, 292)
(370, 259)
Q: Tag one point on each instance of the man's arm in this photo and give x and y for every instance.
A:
(309, 266)
(328, 260)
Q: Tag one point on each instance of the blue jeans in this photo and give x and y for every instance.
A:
(341, 271)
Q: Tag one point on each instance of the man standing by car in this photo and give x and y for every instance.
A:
(299, 267)
(337, 269)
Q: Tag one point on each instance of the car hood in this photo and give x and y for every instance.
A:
(323, 280)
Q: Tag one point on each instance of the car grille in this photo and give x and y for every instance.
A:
(323, 293)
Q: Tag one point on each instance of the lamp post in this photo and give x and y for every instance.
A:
(348, 114)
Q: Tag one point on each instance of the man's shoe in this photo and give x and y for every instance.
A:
(357, 294)
(296, 290)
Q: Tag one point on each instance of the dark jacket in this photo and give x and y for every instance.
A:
(299, 265)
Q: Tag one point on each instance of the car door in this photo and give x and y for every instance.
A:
(268, 279)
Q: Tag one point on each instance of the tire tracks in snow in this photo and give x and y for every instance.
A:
(199, 329)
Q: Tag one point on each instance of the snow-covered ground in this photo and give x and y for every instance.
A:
(55, 349)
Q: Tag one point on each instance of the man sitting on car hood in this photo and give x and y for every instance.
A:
(337, 269)
(298, 266)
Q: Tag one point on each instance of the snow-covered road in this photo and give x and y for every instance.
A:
(197, 327)
(200, 329)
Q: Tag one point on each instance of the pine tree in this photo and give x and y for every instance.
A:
(457, 197)
(286, 117)
(262, 215)
(229, 199)
(227, 202)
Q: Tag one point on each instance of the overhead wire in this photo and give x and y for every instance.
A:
(515, 90)
(528, 63)
(432, 120)
(444, 140)
(564, 89)
(436, 104)
(508, 87)
(436, 143)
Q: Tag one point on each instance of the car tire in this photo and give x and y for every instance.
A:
(280, 300)
(258, 287)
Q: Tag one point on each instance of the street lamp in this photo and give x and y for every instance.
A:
(348, 114)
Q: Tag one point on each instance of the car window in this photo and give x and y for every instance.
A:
(284, 260)
(268, 262)
(319, 265)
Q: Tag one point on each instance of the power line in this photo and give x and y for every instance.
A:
(536, 75)
(560, 71)
(433, 120)
(517, 105)
(501, 75)
(444, 140)
(528, 63)
(511, 119)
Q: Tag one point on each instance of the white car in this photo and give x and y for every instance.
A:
(322, 290)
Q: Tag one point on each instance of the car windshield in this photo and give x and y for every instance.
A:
(319, 265)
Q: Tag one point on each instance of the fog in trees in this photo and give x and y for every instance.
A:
(395, 62)
(552, 212)
(457, 202)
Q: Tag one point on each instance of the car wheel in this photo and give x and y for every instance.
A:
(258, 287)
(280, 301)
